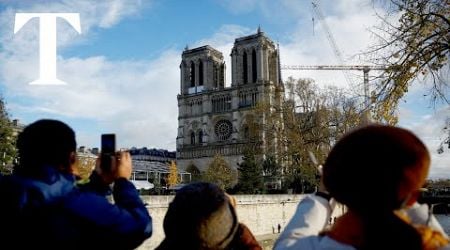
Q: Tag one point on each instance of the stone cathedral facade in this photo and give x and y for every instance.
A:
(214, 119)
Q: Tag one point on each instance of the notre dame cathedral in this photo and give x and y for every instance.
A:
(214, 119)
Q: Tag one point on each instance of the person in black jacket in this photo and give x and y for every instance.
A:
(43, 208)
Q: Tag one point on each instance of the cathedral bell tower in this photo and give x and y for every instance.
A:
(202, 69)
(254, 60)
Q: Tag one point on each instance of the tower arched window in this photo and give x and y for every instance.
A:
(254, 68)
(200, 137)
(200, 73)
(192, 74)
(216, 75)
(192, 138)
(244, 67)
(246, 132)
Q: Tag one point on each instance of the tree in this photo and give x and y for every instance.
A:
(309, 120)
(272, 170)
(271, 167)
(438, 184)
(173, 178)
(7, 141)
(220, 173)
(314, 119)
(415, 48)
(250, 175)
(196, 175)
(85, 165)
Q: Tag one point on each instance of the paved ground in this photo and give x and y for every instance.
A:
(267, 240)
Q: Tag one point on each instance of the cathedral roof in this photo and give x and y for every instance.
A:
(200, 50)
(249, 38)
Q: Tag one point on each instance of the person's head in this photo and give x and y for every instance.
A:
(376, 168)
(46, 143)
(200, 216)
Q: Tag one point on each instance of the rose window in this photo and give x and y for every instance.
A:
(223, 129)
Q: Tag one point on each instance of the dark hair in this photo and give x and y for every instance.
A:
(199, 217)
(365, 171)
(45, 143)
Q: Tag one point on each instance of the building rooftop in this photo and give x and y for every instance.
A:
(258, 34)
(153, 152)
(153, 166)
(200, 49)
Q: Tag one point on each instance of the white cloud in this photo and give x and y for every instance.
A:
(348, 27)
(430, 129)
(125, 96)
(116, 94)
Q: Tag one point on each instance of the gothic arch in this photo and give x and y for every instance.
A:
(194, 125)
(192, 138)
(246, 125)
(247, 118)
(200, 136)
(245, 132)
(200, 73)
(254, 66)
(192, 74)
(244, 68)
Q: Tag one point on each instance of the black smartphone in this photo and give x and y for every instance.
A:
(108, 149)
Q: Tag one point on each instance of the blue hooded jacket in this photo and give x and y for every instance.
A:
(50, 211)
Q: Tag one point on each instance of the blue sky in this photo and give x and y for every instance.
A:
(123, 70)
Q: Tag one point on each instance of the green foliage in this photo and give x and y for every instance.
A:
(298, 183)
(220, 173)
(7, 141)
(271, 167)
(250, 176)
(415, 47)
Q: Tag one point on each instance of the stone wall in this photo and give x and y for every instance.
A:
(261, 213)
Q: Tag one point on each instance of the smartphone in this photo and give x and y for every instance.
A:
(108, 149)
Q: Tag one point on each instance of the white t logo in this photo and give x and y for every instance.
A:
(47, 42)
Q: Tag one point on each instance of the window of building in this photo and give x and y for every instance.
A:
(221, 103)
(200, 73)
(222, 75)
(248, 98)
(244, 67)
(192, 74)
(246, 132)
(192, 138)
(254, 68)
(200, 137)
(223, 129)
(215, 75)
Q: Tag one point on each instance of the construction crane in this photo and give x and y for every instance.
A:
(331, 39)
(364, 68)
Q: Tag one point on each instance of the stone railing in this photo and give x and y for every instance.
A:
(189, 152)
